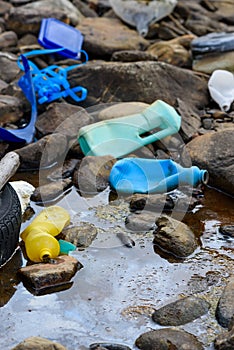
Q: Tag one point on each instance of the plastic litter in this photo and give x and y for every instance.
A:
(213, 42)
(221, 88)
(136, 175)
(40, 243)
(51, 82)
(24, 134)
(121, 136)
(55, 34)
(141, 14)
(24, 191)
(66, 247)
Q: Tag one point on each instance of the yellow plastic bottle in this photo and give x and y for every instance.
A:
(38, 237)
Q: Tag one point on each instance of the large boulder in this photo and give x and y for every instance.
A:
(215, 153)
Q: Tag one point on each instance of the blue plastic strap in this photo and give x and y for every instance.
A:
(25, 134)
(51, 82)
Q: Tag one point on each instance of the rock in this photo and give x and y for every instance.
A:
(64, 171)
(147, 81)
(175, 51)
(181, 311)
(225, 341)
(227, 230)
(224, 10)
(64, 118)
(133, 56)
(174, 237)
(84, 8)
(51, 191)
(8, 67)
(108, 346)
(11, 109)
(209, 63)
(92, 175)
(104, 36)
(4, 7)
(157, 202)
(190, 120)
(27, 18)
(38, 343)
(41, 276)
(225, 307)
(214, 152)
(168, 339)
(43, 153)
(8, 39)
(81, 236)
(142, 222)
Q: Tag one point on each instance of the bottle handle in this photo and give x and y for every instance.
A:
(155, 137)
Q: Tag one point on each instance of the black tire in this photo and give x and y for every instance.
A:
(10, 222)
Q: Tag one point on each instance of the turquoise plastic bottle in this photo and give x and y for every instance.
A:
(136, 175)
(121, 136)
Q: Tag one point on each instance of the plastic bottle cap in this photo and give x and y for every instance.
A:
(45, 254)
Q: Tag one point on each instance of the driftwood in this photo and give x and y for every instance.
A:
(8, 166)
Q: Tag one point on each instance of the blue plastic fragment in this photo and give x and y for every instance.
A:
(51, 82)
(55, 34)
(25, 134)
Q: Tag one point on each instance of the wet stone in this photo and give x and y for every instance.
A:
(81, 236)
(38, 343)
(46, 275)
(158, 202)
(92, 175)
(64, 171)
(51, 191)
(225, 307)
(227, 230)
(168, 339)
(174, 237)
(181, 311)
(225, 341)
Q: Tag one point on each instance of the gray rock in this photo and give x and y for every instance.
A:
(38, 343)
(181, 311)
(168, 339)
(8, 67)
(146, 81)
(104, 36)
(92, 175)
(225, 341)
(209, 63)
(190, 121)
(84, 8)
(51, 191)
(174, 237)
(227, 230)
(214, 152)
(158, 202)
(141, 222)
(225, 307)
(81, 236)
(64, 171)
(8, 39)
(11, 109)
(43, 153)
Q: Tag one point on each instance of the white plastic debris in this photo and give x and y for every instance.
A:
(24, 191)
(221, 87)
(141, 13)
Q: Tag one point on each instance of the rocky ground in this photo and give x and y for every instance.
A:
(125, 73)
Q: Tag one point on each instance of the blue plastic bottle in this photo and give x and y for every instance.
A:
(136, 175)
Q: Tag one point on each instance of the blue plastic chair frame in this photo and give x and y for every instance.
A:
(51, 82)
(25, 134)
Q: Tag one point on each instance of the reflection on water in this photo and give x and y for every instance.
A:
(117, 280)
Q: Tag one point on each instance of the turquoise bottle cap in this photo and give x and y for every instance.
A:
(66, 247)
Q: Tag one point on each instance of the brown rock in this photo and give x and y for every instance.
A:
(174, 237)
(92, 175)
(8, 67)
(38, 343)
(104, 36)
(214, 152)
(81, 236)
(8, 39)
(209, 63)
(48, 275)
(225, 307)
(225, 341)
(146, 81)
(11, 109)
(45, 152)
(133, 56)
(51, 191)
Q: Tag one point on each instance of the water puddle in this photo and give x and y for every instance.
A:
(112, 297)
